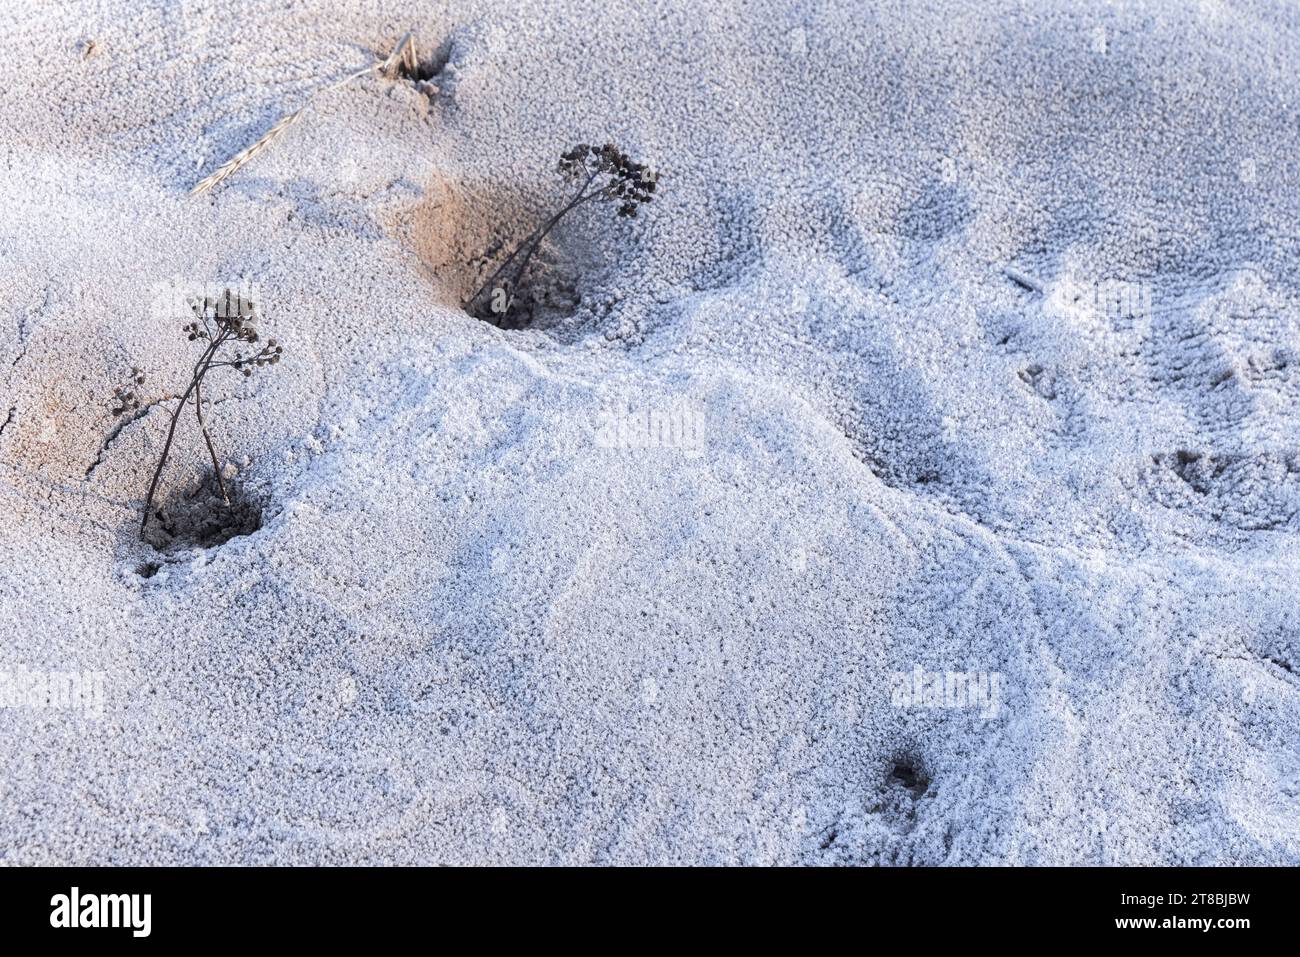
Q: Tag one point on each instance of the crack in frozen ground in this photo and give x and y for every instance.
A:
(123, 424)
(25, 326)
(22, 339)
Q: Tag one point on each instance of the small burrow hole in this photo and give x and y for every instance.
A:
(427, 68)
(908, 772)
(548, 293)
(148, 569)
(199, 517)
(463, 232)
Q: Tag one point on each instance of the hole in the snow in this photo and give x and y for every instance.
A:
(426, 69)
(198, 517)
(1282, 663)
(908, 771)
(148, 569)
(464, 231)
(548, 291)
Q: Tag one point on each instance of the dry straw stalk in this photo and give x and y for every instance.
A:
(404, 53)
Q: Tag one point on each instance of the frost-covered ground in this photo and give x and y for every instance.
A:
(974, 331)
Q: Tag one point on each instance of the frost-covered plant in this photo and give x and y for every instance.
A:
(599, 174)
(221, 325)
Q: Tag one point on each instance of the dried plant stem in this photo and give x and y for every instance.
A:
(522, 269)
(529, 246)
(195, 389)
(403, 53)
(203, 427)
(1023, 279)
(162, 459)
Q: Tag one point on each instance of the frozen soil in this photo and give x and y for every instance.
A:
(466, 628)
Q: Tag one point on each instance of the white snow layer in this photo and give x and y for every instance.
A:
(976, 329)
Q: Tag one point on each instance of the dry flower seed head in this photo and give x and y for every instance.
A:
(125, 398)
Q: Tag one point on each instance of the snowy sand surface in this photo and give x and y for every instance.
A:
(483, 623)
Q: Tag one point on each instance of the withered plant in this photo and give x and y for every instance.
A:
(599, 175)
(224, 328)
